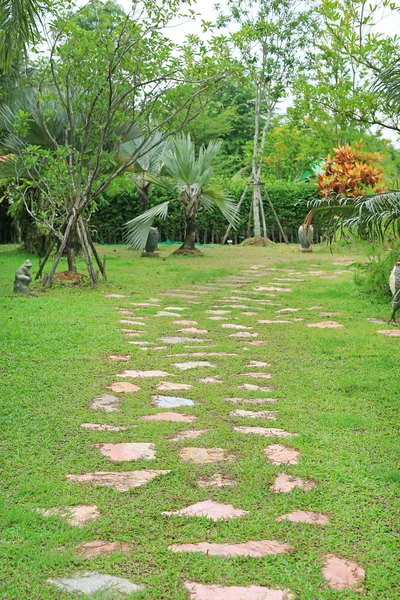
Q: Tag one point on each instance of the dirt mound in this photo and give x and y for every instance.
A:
(185, 252)
(71, 276)
(254, 241)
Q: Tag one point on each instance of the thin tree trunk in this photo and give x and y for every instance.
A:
(256, 209)
(264, 223)
(70, 225)
(276, 218)
(102, 266)
(250, 220)
(86, 251)
(239, 204)
(46, 257)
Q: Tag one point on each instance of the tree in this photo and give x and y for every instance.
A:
(191, 178)
(120, 80)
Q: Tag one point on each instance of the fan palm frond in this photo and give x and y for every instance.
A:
(215, 197)
(388, 83)
(137, 230)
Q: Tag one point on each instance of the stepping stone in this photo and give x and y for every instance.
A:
(90, 582)
(78, 515)
(198, 591)
(105, 403)
(171, 401)
(122, 311)
(183, 322)
(129, 334)
(169, 416)
(286, 483)
(218, 480)
(190, 434)
(193, 330)
(123, 386)
(250, 387)
(389, 332)
(120, 357)
(145, 304)
(215, 379)
(103, 427)
(181, 340)
(185, 366)
(315, 308)
(218, 312)
(99, 547)
(249, 314)
(234, 326)
(281, 455)
(270, 432)
(256, 375)
(243, 334)
(342, 574)
(291, 279)
(196, 354)
(210, 509)
(167, 386)
(130, 322)
(164, 313)
(329, 277)
(272, 288)
(175, 295)
(269, 321)
(255, 401)
(258, 363)
(254, 549)
(175, 308)
(304, 516)
(154, 348)
(114, 296)
(121, 482)
(326, 325)
(141, 343)
(257, 343)
(143, 374)
(377, 321)
(330, 314)
(287, 310)
(217, 318)
(205, 455)
(127, 451)
(255, 414)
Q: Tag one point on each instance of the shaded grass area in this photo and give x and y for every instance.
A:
(337, 388)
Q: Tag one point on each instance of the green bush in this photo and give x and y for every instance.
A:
(372, 278)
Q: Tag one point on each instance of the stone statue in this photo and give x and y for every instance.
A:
(23, 278)
(394, 283)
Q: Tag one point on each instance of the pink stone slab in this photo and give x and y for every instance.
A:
(143, 374)
(251, 387)
(217, 480)
(255, 401)
(266, 432)
(127, 451)
(249, 313)
(210, 509)
(234, 326)
(255, 414)
(286, 483)
(215, 379)
(281, 455)
(174, 295)
(315, 308)
(197, 354)
(122, 311)
(120, 357)
(256, 375)
(326, 325)
(190, 434)
(183, 322)
(114, 296)
(287, 310)
(166, 313)
(103, 427)
(185, 366)
(193, 330)
(377, 321)
(390, 332)
(254, 549)
(342, 574)
(167, 385)
(99, 547)
(130, 322)
(257, 343)
(218, 312)
(269, 321)
(105, 403)
(217, 318)
(272, 288)
(304, 516)
(123, 386)
(218, 592)
(258, 363)
(130, 334)
(78, 515)
(243, 334)
(121, 482)
(205, 455)
(169, 416)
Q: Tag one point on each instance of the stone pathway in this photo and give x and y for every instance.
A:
(338, 573)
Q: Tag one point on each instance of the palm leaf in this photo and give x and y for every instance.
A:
(215, 197)
(137, 230)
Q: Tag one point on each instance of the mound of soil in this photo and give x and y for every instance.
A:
(71, 276)
(254, 241)
(185, 252)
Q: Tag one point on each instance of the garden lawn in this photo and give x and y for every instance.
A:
(336, 388)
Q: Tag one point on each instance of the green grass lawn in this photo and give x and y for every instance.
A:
(339, 389)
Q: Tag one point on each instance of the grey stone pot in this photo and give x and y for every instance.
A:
(152, 240)
(306, 235)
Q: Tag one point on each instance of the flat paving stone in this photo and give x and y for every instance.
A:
(389, 332)
(265, 432)
(218, 312)
(172, 401)
(193, 330)
(287, 310)
(326, 325)
(315, 308)
(234, 326)
(99, 547)
(286, 483)
(197, 364)
(152, 304)
(130, 322)
(218, 480)
(198, 591)
(210, 509)
(256, 375)
(258, 363)
(127, 451)
(103, 427)
(304, 516)
(175, 308)
(272, 288)
(211, 379)
(78, 515)
(249, 313)
(168, 386)
(377, 321)
(176, 295)
(122, 311)
(165, 313)
(181, 340)
(184, 322)
(255, 401)
(273, 321)
(251, 387)
(197, 354)
(243, 334)
(123, 386)
(169, 416)
(129, 334)
(342, 574)
(190, 434)
(120, 357)
(281, 455)
(114, 296)
(141, 343)
(257, 343)
(143, 374)
(105, 403)
(217, 318)
(90, 582)
(205, 455)
(121, 482)
(255, 414)
(256, 549)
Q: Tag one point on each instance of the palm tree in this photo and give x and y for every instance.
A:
(191, 176)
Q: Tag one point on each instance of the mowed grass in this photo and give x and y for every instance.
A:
(337, 388)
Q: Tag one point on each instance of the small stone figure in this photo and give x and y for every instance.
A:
(151, 244)
(394, 283)
(306, 233)
(23, 278)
